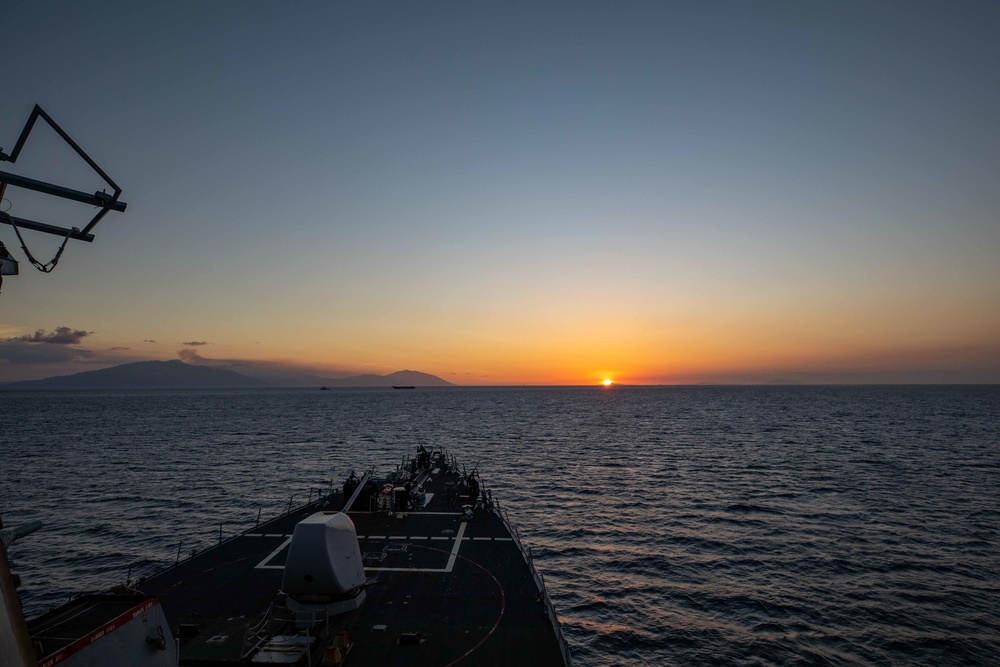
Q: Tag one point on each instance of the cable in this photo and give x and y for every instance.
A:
(51, 264)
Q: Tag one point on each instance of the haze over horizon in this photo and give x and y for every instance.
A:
(520, 193)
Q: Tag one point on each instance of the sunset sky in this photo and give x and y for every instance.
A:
(514, 193)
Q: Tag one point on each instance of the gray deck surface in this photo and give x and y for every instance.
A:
(463, 585)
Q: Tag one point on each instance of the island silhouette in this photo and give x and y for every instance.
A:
(176, 374)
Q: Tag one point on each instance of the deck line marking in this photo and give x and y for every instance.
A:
(454, 549)
(263, 565)
(403, 569)
(482, 539)
(419, 537)
(253, 534)
(415, 513)
(504, 539)
(397, 537)
(440, 538)
(376, 537)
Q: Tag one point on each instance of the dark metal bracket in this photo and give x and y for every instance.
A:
(106, 202)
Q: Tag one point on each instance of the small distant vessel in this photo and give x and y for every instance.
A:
(403, 386)
(324, 388)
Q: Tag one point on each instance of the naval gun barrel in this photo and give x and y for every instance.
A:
(357, 491)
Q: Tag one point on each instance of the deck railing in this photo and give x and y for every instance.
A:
(494, 505)
(550, 610)
(315, 497)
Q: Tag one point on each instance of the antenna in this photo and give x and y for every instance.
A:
(103, 200)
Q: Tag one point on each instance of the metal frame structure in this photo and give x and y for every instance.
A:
(106, 202)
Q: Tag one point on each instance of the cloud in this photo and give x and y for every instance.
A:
(195, 342)
(192, 357)
(16, 351)
(148, 340)
(278, 372)
(28, 349)
(61, 336)
(116, 349)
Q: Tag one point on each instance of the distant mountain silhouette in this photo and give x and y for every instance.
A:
(399, 378)
(179, 375)
(146, 375)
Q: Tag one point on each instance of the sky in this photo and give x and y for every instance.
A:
(513, 193)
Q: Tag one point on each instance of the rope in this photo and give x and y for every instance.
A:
(51, 264)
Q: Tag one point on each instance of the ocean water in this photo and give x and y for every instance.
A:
(673, 525)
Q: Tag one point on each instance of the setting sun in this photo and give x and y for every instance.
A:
(607, 383)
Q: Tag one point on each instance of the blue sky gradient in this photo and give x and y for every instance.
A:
(520, 192)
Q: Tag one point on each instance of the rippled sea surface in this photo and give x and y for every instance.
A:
(678, 526)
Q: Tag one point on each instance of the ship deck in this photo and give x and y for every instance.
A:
(443, 589)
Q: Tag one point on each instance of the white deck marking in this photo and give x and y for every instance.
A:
(447, 568)
(263, 565)
(453, 556)
(454, 549)
(482, 539)
(420, 513)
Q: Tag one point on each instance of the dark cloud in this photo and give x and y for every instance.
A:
(61, 336)
(193, 343)
(17, 351)
(116, 349)
(27, 350)
(148, 340)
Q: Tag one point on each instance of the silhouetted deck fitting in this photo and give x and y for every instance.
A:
(106, 202)
(49, 229)
(102, 199)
